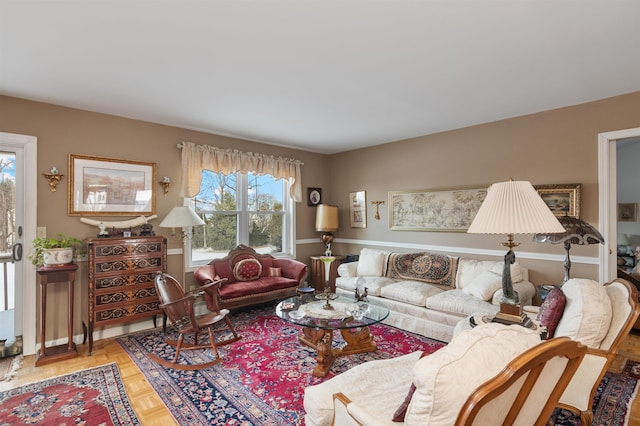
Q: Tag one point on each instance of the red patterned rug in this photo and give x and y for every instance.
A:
(90, 397)
(262, 378)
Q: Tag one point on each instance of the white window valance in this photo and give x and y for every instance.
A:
(196, 158)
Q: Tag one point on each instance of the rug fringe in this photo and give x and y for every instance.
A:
(16, 363)
(627, 415)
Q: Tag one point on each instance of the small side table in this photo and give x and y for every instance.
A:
(56, 274)
(317, 272)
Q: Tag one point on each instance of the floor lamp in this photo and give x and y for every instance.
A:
(513, 207)
(576, 231)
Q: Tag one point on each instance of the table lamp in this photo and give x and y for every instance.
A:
(576, 231)
(327, 223)
(181, 217)
(513, 207)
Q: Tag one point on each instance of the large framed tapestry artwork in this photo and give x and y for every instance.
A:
(110, 187)
(445, 209)
(563, 200)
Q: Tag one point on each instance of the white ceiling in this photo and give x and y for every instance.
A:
(321, 75)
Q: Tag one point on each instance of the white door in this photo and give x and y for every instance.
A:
(607, 186)
(17, 275)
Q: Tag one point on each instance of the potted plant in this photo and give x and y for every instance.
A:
(50, 251)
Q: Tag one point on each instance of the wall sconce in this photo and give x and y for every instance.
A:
(166, 184)
(181, 217)
(53, 177)
(377, 204)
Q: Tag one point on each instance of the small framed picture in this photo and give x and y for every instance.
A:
(126, 234)
(314, 196)
(627, 212)
(358, 209)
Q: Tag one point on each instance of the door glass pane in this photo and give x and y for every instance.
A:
(7, 240)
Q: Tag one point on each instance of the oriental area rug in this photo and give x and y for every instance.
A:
(262, 378)
(95, 396)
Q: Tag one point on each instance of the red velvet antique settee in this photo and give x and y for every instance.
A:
(252, 278)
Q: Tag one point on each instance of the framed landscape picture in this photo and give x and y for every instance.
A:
(627, 212)
(110, 187)
(562, 200)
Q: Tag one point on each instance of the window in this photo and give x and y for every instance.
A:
(241, 209)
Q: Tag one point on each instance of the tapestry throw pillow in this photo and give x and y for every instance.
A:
(551, 310)
(247, 270)
(398, 416)
(435, 269)
(484, 285)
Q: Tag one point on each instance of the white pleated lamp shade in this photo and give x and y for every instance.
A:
(514, 207)
(181, 217)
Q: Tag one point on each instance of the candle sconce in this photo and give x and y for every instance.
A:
(166, 184)
(377, 204)
(54, 177)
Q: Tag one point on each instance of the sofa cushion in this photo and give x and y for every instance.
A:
(399, 414)
(458, 302)
(413, 292)
(435, 269)
(469, 269)
(247, 269)
(255, 287)
(484, 285)
(587, 312)
(551, 310)
(445, 379)
(371, 263)
(373, 284)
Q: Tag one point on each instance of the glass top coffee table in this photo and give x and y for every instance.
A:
(318, 322)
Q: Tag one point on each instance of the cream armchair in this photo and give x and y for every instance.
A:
(600, 317)
(374, 393)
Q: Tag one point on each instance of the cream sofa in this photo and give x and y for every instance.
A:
(426, 302)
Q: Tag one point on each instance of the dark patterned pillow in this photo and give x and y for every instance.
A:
(247, 270)
(551, 310)
(398, 416)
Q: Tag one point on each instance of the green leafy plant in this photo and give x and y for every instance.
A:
(42, 244)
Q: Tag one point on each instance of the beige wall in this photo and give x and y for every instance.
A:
(552, 147)
(61, 131)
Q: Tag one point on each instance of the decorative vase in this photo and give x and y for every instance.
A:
(57, 256)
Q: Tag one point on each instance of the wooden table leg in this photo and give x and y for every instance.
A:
(359, 340)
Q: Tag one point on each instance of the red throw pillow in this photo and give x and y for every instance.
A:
(247, 270)
(398, 416)
(551, 310)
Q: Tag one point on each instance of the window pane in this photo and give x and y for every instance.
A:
(265, 232)
(216, 238)
(264, 193)
(218, 192)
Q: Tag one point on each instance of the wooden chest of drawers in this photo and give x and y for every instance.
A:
(121, 274)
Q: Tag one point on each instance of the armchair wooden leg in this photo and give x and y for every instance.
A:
(586, 418)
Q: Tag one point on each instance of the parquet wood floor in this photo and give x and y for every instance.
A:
(145, 401)
(147, 404)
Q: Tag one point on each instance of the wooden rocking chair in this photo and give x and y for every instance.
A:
(179, 308)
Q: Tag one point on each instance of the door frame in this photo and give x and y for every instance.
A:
(607, 194)
(27, 302)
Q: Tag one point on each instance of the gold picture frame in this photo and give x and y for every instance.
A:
(101, 186)
(627, 212)
(562, 200)
(358, 209)
(443, 209)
